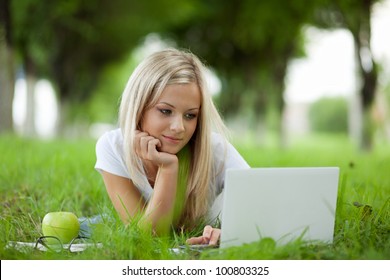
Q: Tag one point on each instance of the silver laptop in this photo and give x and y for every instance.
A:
(280, 203)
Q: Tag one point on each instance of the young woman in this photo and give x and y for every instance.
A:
(164, 163)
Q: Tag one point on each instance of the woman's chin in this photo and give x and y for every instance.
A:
(169, 151)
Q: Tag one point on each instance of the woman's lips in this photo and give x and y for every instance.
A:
(171, 139)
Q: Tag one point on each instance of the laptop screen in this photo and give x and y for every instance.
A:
(279, 203)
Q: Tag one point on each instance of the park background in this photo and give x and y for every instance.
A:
(298, 83)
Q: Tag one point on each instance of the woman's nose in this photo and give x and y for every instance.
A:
(177, 124)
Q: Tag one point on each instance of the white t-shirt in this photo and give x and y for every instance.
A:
(110, 158)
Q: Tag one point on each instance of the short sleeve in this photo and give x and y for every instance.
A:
(109, 154)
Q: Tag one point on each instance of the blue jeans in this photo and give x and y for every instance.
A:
(87, 224)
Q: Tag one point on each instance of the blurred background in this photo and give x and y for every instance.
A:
(278, 70)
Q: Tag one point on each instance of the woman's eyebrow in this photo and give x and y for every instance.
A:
(170, 105)
(166, 103)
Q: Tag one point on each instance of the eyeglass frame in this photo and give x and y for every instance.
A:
(47, 246)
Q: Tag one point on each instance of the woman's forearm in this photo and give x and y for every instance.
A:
(159, 211)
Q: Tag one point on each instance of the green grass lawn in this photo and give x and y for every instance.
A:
(37, 177)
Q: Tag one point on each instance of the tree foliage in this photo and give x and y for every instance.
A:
(249, 43)
(71, 41)
(329, 115)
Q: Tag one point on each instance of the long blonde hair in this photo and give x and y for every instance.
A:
(144, 88)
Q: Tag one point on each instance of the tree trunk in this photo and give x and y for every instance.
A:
(7, 75)
(368, 73)
(381, 116)
(29, 128)
(355, 120)
(282, 130)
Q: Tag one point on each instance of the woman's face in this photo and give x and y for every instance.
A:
(174, 118)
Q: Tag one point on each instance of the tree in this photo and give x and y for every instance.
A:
(71, 41)
(7, 78)
(329, 115)
(249, 43)
(355, 16)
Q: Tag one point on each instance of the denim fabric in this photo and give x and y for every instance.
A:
(87, 224)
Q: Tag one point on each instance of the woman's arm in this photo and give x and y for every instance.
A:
(159, 211)
(128, 201)
(125, 197)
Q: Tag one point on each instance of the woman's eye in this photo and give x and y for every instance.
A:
(165, 111)
(190, 116)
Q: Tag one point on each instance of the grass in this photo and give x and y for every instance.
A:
(37, 177)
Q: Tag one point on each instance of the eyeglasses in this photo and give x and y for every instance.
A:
(54, 244)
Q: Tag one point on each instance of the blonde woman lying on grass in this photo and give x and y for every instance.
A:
(165, 162)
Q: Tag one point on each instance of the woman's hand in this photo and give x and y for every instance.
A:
(210, 237)
(147, 148)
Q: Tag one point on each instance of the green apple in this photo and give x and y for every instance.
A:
(63, 225)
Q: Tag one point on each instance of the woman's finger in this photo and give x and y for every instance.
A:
(195, 240)
(215, 235)
(144, 145)
(152, 147)
(137, 141)
(207, 232)
(210, 236)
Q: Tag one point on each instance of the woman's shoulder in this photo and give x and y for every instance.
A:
(111, 138)
(220, 143)
(110, 143)
(225, 152)
(114, 134)
(225, 156)
(109, 153)
(218, 140)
